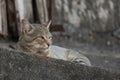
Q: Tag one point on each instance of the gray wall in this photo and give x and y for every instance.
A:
(87, 15)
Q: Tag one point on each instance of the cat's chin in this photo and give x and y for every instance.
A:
(44, 49)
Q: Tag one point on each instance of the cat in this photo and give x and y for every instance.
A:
(36, 38)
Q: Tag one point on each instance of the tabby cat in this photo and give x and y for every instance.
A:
(37, 38)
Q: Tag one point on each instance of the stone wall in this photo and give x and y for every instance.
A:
(87, 16)
(27, 66)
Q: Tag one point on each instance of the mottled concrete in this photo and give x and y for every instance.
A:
(27, 66)
(96, 15)
(83, 18)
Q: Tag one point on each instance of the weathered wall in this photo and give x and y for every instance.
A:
(87, 15)
(26, 66)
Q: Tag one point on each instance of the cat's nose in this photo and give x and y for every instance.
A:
(48, 44)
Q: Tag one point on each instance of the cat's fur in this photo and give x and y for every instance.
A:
(36, 38)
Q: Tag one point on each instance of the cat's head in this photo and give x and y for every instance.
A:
(36, 36)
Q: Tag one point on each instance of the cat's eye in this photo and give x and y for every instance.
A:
(42, 37)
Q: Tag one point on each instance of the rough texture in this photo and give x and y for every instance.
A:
(98, 15)
(82, 17)
(27, 66)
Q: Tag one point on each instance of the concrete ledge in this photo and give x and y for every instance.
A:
(24, 66)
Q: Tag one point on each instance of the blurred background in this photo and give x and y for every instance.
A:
(89, 26)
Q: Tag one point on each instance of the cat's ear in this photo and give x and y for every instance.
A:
(48, 25)
(26, 27)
